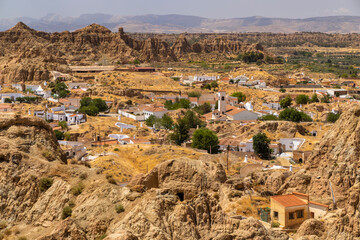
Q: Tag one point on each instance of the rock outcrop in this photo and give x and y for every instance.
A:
(29, 54)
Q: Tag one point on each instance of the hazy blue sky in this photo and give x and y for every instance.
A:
(204, 8)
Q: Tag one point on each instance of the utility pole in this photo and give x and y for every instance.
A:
(227, 157)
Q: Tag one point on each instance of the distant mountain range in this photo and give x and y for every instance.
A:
(180, 23)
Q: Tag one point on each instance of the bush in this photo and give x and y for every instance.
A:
(194, 94)
(71, 204)
(45, 184)
(3, 225)
(286, 102)
(59, 135)
(116, 149)
(77, 189)
(240, 96)
(302, 99)
(67, 212)
(110, 179)
(275, 224)
(83, 176)
(119, 208)
(291, 114)
(269, 117)
(332, 117)
(8, 100)
(282, 90)
(48, 156)
(22, 238)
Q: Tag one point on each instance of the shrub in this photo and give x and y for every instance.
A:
(83, 176)
(286, 102)
(59, 135)
(3, 225)
(45, 183)
(282, 90)
(77, 189)
(67, 211)
(22, 238)
(116, 149)
(110, 179)
(71, 204)
(269, 117)
(332, 117)
(119, 208)
(240, 96)
(291, 114)
(194, 94)
(302, 99)
(275, 224)
(48, 156)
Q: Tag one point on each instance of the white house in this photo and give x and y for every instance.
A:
(242, 115)
(37, 89)
(241, 80)
(273, 105)
(292, 144)
(11, 96)
(156, 111)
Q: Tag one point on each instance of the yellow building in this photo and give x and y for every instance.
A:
(293, 209)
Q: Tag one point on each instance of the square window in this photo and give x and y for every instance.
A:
(276, 215)
(300, 213)
(291, 215)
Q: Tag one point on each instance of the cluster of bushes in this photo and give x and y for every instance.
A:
(26, 99)
(291, 114)
(211, 85)
(194, 94)
(240, 96)
(203, 108)
(92, 107)
(179, 103)
(332, 117)
(251, 57)
(45, 184)
(304, 99)
(164, 122)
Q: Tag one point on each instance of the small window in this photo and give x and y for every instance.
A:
(300, 213)
(276, 215)
(291, 215)
(222, 98)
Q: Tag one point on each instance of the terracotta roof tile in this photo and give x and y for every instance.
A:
(289, 200)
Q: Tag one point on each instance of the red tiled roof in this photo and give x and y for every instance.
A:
(235, 111)
(316, 203)
(155, 109)
(289, 200)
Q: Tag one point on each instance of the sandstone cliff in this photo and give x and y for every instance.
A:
(176, 200)
(29, 55)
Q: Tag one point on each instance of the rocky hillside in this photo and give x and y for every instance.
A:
(333, 166)
(43, 198)
(28, 55)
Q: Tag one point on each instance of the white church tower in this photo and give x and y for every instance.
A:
(222, 102)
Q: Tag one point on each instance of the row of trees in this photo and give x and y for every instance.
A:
(303, 99)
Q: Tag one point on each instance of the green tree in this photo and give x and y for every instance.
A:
(332, 117)
(63, 125)
(100, 104)
(314, 98)
(8, 100)
(302, 99)
(214, 84)
(89, 110)
(167, 122)
(286, 102)
(152, 120)
(181, 132)
(85, 101)
(206, 139)
(240, 96)
(207, 86)
(60, 89)
(291, 114)
(192, 121)
(261, 146)
(59, 135)
(203, 109)
(282, 90)
(325, 99)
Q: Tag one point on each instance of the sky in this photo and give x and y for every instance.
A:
(202, 8)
